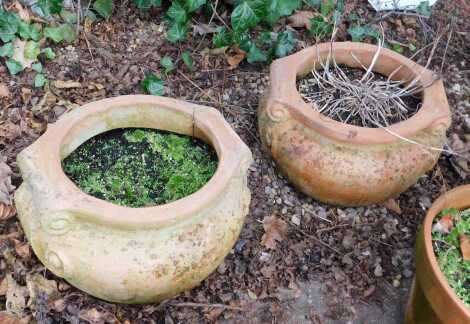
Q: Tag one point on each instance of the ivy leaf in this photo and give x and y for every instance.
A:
(152, 85)
(265, 38)
(28, 31)
(147, 4)
(14, 67)
(358, 33)
(193, 5)
(314, 3)
(37, 67)
(49, 53)
(9, 24)
(398, 48)
(327, 7)
(167, 64)
(31, 50)
(188, 61)
(286, 8)
(319, 27)
(177, 13)
(256, 55)
(7, 50)
(49, 7)
(222, 38)
(177, 32)
(104, 7)
(243, 40)
(64, 32)
(39, 80)
(285, 43)
(424, 9)
(68, 16)
(243, 17)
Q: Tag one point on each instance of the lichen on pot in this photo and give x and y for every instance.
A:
(345, 164)
(132, 254)
(432, 299)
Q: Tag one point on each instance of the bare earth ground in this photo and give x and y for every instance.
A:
(361, 270)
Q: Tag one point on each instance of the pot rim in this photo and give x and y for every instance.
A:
(208, 123)
(434, 111)
(459, 198)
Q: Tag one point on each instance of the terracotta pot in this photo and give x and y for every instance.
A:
(432, 300)
(344, 164)
(132, 255)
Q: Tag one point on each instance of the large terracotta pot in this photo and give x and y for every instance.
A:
(132, 255)
(432, 300)
(345, 164)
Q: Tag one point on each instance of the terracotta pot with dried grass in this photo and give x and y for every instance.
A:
(344, 164)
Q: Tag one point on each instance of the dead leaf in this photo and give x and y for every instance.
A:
(465, 247)
(274, 231)
(26, 94)
(214, 314)
(37, 284)
(3, 287)
(18, 53)
(444, 225)
(16, 297)
(203, 29)
(22, 249)
(6, 188)
(6, 211)
(301, 19)
(6, 318)
(94, 316)
(392, 205)
(22, 12)
(234, 60)
(69, 84)
(4, 91)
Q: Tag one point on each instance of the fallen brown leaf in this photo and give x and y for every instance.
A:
(94, 316)
(6, 211)
(69, 84)
(6, 318)
(18, 53)
(22, 249)
(22, 12)
(392, 205)
(4, 91)
(465, 247)
(3, 287)
(301, 19)
(37, 284)
(234, 60)
(16, 297)
(275, 230)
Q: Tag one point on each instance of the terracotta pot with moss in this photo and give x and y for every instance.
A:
(432, 300)
(132, 254)
(345, 164)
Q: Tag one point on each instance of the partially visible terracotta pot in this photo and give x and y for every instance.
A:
(432, 300)
(345, 164)
(132, 255)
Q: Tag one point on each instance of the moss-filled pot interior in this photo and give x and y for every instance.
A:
(451, 244)
(139, 167)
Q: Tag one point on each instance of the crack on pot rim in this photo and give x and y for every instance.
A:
(208, 122)
(284, 73)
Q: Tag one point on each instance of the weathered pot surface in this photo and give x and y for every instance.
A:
(432, 300)
(132, 255)
(344, 164)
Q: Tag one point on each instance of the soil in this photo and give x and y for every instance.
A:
(309, 87)
(141, 167)
(362, 270)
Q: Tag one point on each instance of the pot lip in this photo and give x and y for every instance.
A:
(209, 122)
(433, 112)
(459, 198)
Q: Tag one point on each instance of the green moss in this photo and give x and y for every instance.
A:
(449, 256)
(141, 167)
